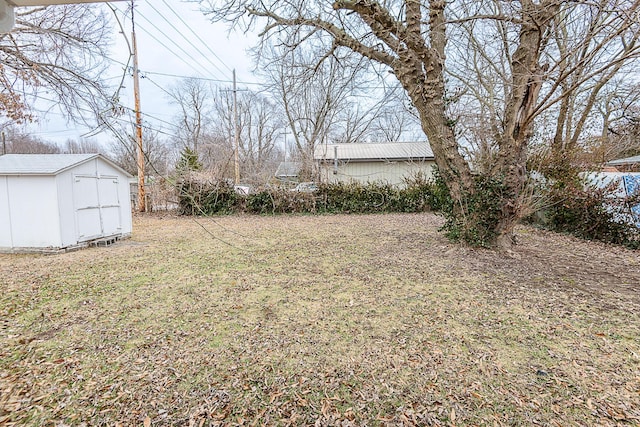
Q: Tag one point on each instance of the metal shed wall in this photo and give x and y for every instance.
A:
(392, 172)
(389, 162)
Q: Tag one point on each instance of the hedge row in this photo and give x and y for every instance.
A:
(198, 198)
(583, 211)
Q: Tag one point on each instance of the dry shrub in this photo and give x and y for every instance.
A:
(207, 197)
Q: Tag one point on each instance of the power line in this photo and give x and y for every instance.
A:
(159, 87)
(205, 44)
(173, 42)
(184, 37)
(125, 13)
(115, 61)
(182, 76)
(178, 56)
(115, 119)
(181, 56)
(156, 73)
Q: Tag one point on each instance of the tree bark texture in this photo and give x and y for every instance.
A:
(526, 81)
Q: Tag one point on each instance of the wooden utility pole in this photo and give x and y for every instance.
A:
(142, 202)
(236, 129)
(4, 144)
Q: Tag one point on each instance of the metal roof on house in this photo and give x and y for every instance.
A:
(625, 161)
(374, 151)
(45, 164)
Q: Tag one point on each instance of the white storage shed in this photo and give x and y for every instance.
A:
(51, 202)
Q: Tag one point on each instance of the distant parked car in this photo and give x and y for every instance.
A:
(305, 187)
(242, 189)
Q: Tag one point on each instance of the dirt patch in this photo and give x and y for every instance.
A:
(329, 320)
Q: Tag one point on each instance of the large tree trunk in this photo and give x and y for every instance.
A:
(422, 76)
(527, 78)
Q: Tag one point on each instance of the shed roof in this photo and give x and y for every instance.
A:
(375, 151)
(46, 164)
(625, 161)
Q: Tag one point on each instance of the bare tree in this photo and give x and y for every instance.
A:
(19, 142)
(593, 48)
(588, 50)
(319, 100)
(82, 146)
(260, 125)
(194, 98)
(619, 110)
(217, 153)
(57, 50)
(123, 150)
(411, 38)
(395, 121)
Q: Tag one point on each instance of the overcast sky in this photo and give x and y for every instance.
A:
(174, 40)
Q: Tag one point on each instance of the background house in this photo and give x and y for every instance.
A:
(58, 201)
(386, 162)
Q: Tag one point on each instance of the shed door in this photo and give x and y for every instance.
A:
(97, 206)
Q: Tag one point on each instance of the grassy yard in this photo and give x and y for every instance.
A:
(330, 320)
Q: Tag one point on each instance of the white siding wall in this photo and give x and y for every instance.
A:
(124, 197)
(5, 219)
(125, 206)
(34, 216)
(68, 234)
(390, 172)
(94, 183)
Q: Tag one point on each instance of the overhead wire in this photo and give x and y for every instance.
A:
(117, 119)
(206, 57)
(205, 44)
(207, 70)
(176, 55)
(183, 76)
(156, 73)
(150, 34)
(202, 70)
